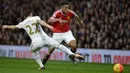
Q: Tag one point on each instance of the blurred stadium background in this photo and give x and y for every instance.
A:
(104, 39)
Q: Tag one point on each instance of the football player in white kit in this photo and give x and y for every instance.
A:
(32, 25)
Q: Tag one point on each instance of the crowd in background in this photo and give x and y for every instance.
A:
(106, 22)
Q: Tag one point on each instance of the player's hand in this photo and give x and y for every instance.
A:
(62, 21)
(4, 26)
(50, 27)
(81, 25)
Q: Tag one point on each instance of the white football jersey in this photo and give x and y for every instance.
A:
(32, 27)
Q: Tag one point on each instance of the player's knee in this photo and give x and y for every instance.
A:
(73, 48)
(72, 44)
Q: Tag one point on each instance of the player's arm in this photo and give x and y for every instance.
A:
(79, 21)
(43, 23)
(57, 20)
(52, 20)
(9, 27)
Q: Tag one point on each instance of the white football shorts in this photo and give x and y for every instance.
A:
(37, 44)
(67, 37)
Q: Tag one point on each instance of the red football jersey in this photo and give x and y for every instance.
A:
(62, 27)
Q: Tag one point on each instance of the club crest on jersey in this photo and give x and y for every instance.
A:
(68, 17)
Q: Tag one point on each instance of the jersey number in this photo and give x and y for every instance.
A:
(30, 29)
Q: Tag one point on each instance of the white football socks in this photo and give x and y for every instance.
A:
(65, 49)
(36, 56)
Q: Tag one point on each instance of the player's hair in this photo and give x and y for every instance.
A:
(64, 3)
(27, 12)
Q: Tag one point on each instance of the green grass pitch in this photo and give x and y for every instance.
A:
(15, 65)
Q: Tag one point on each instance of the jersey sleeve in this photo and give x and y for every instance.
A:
(73, 13)
(20, 25)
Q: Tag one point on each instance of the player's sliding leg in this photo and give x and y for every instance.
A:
(66, 50)
(36, 56)
(54, 44)
(61, 47)
(72, 44)
(47, 55)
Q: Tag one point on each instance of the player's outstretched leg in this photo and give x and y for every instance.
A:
(66, 50)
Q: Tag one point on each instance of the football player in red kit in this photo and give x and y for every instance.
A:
(60, 20)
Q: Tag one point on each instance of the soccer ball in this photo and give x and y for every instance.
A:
(118, 68)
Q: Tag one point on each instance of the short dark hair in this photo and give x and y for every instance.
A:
(64, 3)
(27, 12)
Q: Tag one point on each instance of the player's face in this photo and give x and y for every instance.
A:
(65, 8)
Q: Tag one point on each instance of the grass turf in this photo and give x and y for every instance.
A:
(15, 65)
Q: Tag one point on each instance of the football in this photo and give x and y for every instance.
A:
(118, 68)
